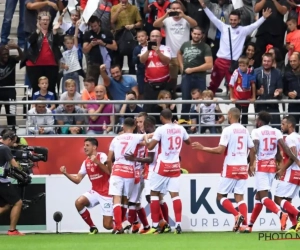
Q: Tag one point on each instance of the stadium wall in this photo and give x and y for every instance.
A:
(201, 211)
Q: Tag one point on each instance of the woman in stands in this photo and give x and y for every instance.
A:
(164, 95)
(250, 52)
(43, 55)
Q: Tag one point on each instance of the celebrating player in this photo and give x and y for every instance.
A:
(289, 183)
(235, 141)
(266, 140)
(165, 175)
(98, 173)
(123, 171)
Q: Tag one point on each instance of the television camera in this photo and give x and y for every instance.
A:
(26, 156)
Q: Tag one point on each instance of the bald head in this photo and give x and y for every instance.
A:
(155, 36)
(100, 91)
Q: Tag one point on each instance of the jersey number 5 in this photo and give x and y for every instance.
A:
(174, 140)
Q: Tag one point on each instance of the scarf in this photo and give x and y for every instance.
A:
(106, 58)
(161, 10)
(247, 78)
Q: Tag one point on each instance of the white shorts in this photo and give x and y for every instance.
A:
(229, 186)
(286, 189)
(164, 184)
(120, 186)
(263, 181)
(106, 203)
(135, 196)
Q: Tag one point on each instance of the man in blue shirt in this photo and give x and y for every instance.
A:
(118, 85)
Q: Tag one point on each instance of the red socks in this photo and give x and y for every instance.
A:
(291, 210)
(177, 206)
(124, 211)
(256, 211)
(85, 214)
(142, 216)
(269, 204)
(165, 210)
(132, 217)
(228, 206)
(118, 216)
(155, 210)
(243, 210)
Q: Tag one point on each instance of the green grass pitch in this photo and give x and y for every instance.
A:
(190, 241)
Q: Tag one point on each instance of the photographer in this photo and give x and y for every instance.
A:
(8, 195)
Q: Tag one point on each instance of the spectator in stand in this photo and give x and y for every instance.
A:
(208, 113)
(291, 86)
(125, 16)
(104, 13)
(128, 109)
(69, 28)
(194, 58)
(70, 124)
(157, 108)
(140, 73)
(272, 31)
(70, 62)
(194, 111)
(118, 85)
(70, 93)
(268, 87)
(155, 10)
(33, 7)
(44, 123)
(43, 55)
(221, 10)
(43, 84)
(195, 11)
(98, 44)
(89, 92)
(157, 74)
(293, 37)
(101, 124)
(238, 36)
(278, 62)
(242, 87)
(249, 52)
(8, 78)
(10, 7)
(177, 30)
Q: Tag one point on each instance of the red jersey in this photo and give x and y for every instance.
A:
(155, 70)
(236, 82)
(99, 179)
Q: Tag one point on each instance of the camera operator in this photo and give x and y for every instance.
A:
(9, 197)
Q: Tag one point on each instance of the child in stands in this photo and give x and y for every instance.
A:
(242, 87)
(70, 92)
(43, 84)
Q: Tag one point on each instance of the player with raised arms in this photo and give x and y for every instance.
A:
(123, 171)
(289, 184)
(235, 142)
(166, 174)
(267, 141)
(98, 172)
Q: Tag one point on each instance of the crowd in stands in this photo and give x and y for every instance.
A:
(256, 48)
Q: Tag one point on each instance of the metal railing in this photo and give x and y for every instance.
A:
(121, 102)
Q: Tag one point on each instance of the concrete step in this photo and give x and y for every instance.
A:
(2, 7)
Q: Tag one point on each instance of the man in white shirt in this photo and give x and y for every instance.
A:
(177, 28)
(289, 184)
(43, 123)
(235, 141)
(238, 36)
(166, 174)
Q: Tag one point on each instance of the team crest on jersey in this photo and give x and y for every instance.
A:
(103, 36)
